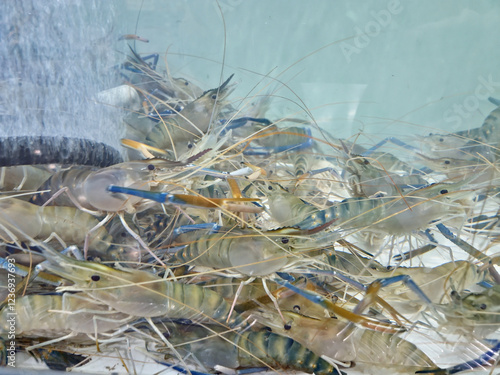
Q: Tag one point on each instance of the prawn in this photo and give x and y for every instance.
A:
(249, 349)
(392, 215)
(363, 347)
(24, 221)
(62, 317)
(137, 292)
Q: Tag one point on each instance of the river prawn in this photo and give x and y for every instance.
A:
(471, 312)
(466, 147)
(154, 86)
(227, 287)
(82, 187)
(177, 133)
(369, 178)
(86, 188)
(391, 215)
(243, 253)
(280, 140)
(363, 347)
(286, 208)
(437, 283)
(139, 293)
(246, 252)
(277, 164)
(146, 80)
(73, 317)
(251, 349)
(381, 159)
(24, 221)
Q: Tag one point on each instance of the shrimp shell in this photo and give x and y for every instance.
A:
(140, 293)
(26, 221)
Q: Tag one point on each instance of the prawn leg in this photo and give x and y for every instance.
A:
(420, 251)
(237, 294)
(140, 240)
(470, 250)
(239, 122)
(53, 341)
(180, 369)
(374, 287)
(189, 200)
(212, 228)
(393, 140)
(108, 217)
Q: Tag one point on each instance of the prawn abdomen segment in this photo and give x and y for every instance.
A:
(280, 352)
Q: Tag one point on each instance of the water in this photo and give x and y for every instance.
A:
(413, 64)
(355, 67)
(56, 55)
(382, 68)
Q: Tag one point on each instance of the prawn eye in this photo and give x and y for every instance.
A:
(296, 308)
(190, 145)
(444, 191)
(151, 167)
(447, 162)
(287, 326)
(441, 139)
(269, 187)
(284, 240)
(214, 96)
(482, 306)
(95, 277)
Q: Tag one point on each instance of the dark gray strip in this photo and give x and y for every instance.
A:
(31, 150)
